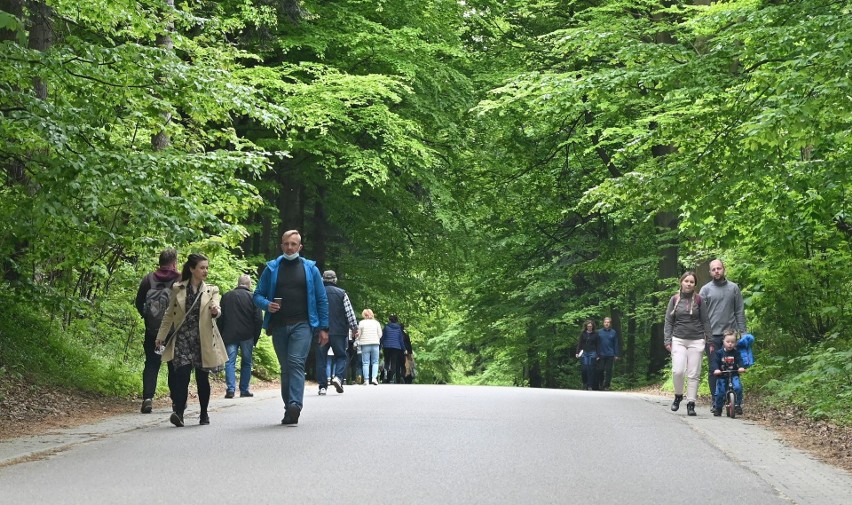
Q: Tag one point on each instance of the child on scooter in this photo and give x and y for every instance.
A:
(719, 363)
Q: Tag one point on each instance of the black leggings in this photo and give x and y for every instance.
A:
(395, 365)
(180, 387)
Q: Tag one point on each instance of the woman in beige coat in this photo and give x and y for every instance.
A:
(195, 342)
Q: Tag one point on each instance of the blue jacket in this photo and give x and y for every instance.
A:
(317, 299)
(744, 345)
(610, 344)
(392, 337)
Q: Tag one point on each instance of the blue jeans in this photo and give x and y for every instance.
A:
(292, 343)
(370, 362)
(337, 343)
(719, 397)
(589, 361)
(245, 347)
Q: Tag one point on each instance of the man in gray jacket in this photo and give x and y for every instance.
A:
(240, 325)
(341, 320)
(724, 302)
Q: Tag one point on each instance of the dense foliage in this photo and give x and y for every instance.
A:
(493, 171)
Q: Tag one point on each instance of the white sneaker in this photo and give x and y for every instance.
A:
(337, 385)
(322, 391)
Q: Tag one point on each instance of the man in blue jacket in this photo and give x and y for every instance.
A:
(609, 343)
(291, 292)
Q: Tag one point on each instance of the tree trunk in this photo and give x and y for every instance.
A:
(41, 39)
(533, 359)
(319, 240)
(290, 203)
(161, 140)
(668, 267)
(15, 8)
(630, 341)
(293, 10)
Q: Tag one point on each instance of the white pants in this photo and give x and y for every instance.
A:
(686, 360)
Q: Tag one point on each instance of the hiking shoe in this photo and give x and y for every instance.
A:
(246, 394)
(337, 385)
(177, 419)
(676, 402)
(738, 410)
(291, 414)
(147, 405)
(690, 409)
(229, 394)
(716, 412)
(322, 391)
(205, 419)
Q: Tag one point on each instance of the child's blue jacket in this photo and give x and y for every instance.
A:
(745, 347)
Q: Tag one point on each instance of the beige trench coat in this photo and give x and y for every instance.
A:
(213, 353)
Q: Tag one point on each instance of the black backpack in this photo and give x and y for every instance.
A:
(156, 302)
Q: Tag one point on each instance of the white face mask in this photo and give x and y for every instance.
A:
(291, 257)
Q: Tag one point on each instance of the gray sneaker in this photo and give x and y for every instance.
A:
(337, 385)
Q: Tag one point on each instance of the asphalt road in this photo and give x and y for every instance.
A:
(421, 444)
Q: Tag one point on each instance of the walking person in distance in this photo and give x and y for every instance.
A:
(588, 349)
(195, 343)
(240, 323)
(684, 335)
(341, 321)
(369, 336)
(152, 301)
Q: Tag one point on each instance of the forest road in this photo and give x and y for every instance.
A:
(421, 444)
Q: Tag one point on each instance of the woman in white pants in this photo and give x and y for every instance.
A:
(685, 334)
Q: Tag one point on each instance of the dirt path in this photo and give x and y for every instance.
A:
(26, 409)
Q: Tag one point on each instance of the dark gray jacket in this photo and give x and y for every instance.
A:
(341, 317)
(240, 319)
(686, 318)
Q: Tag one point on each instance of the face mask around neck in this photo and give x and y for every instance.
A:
(291, 257)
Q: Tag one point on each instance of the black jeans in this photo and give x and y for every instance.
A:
(605, 371)
(395, 365)
(152, 366)
(353, 367)
(180, 387)
(716, 342)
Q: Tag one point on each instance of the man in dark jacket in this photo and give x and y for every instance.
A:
(610, 347)
(240, 325)
(393, 345)
(341, 320)
(158, 282)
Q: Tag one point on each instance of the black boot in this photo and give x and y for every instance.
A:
(177, 418)
(676, 402)
(690, 409)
